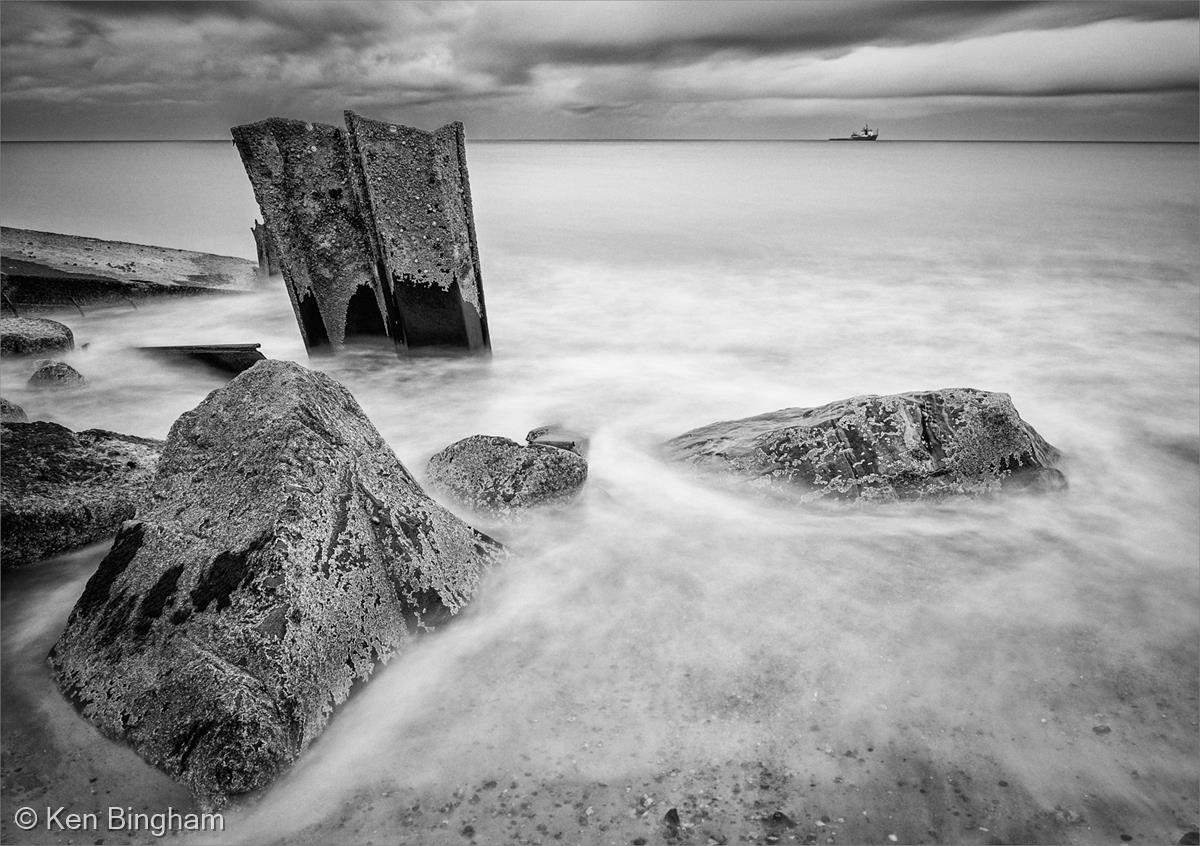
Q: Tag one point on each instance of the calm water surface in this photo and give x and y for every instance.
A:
(637, 290)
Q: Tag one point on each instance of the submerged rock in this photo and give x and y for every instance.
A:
(10, 412)
(33, 335)
(284, 553)
(56, 374)
(902, 446)
(60, 489)
(496, 476)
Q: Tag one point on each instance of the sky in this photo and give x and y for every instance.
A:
(1084, 71)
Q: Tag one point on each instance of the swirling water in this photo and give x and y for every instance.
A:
(664, 633)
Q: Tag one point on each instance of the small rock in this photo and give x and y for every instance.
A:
(10, 412)
(1101, 729)
(56, 374)
(32, 335)
(781, 820)
(673, 825)
(496, 476)
(1192, 838)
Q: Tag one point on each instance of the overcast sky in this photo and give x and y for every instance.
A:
(701, 69)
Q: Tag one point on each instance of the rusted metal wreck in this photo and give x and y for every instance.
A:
(374, 229)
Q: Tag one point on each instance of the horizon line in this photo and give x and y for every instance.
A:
(639, 140)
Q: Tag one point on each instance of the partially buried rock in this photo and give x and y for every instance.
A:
(33, 335)
(916, 445)
(10, 412)
(497, 476)
(56, 375)
(61, 489)
(284, 554)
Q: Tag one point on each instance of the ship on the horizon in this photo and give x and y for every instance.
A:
(865, 134)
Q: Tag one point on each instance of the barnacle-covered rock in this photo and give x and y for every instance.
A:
(923, 444)
(285, 552)
(497, 476)
(61, 489)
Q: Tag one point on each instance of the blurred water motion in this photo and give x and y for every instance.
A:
(639, 290)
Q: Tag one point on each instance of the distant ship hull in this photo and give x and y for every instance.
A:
(866, 134)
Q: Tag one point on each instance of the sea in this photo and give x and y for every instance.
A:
(1015, 669)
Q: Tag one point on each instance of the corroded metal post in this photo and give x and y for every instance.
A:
(374, 228)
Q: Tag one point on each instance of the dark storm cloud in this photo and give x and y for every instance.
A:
(527, 68)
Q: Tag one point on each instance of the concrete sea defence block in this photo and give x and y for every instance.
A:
(375, 230)
(51, 271)
(418, 199)
(302, 182)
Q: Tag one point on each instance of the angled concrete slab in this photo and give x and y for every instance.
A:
(374, 228)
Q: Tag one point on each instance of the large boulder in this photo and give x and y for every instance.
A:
(924, 444)
(285, 552)
(61, 489)
(33, 335)
(496, 476)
